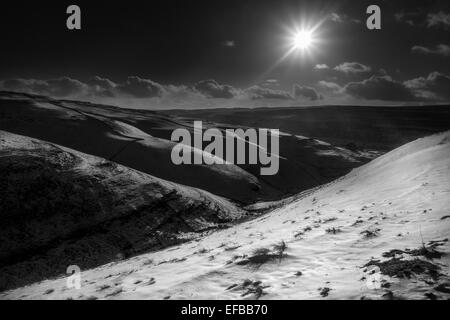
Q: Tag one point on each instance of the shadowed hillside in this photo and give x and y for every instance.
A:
(60, 207)
(377, 128)
(141, 140)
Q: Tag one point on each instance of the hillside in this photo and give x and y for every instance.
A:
(141, 140)
(381, 128)
(387, 221)
(60, 207)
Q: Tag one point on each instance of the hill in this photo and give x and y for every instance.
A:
(380, 232)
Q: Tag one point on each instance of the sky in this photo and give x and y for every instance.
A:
(235, 53)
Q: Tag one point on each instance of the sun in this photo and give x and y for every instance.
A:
(302, 39)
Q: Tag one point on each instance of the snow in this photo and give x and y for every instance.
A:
(405, 194)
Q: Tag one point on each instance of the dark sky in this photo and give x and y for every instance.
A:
(183, 42)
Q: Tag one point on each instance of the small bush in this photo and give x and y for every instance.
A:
(371, 233)
(265, 255)
(333, 230)
(405, 268)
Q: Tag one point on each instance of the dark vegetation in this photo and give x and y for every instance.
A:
(400, 268)
(427, 251)
(405, 268)
(333, 230)
(371, 233)
(324, 291)
(264, 255)
(249, 287)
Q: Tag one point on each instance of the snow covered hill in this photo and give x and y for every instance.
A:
(380, 232)
(59, 206)
(140, 139)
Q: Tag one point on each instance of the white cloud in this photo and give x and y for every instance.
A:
(433, 87)
(440, 19)
(211, 88)
(141, 88)
(342, 18)
(322, 66)
(306, 92)
(329, 86)
(352, 68)
(258, 92)
(440, 49)
(59, 87)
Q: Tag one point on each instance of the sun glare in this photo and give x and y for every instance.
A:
(302, 39)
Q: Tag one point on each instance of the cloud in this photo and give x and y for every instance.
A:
(440, 49)
(440, 19)
(271, 81)
(258, 92)
(322, 66)
(25, 85)
(101, 83)
(331, 87)
(141, 88)
(399, 16)
(229, 43)
(344, 73)
(211, 88)
(336, 18)
(342, 18)
(145, 93)
(59, 87)
(410, 18)
(306, 92)
(101, 87)
(352, 68)
(133, 87)
(346, 70)
(432, 20)
(433, 87)
(65, 87)
(380, 88)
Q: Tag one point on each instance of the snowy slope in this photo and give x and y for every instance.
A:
(397, 201)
